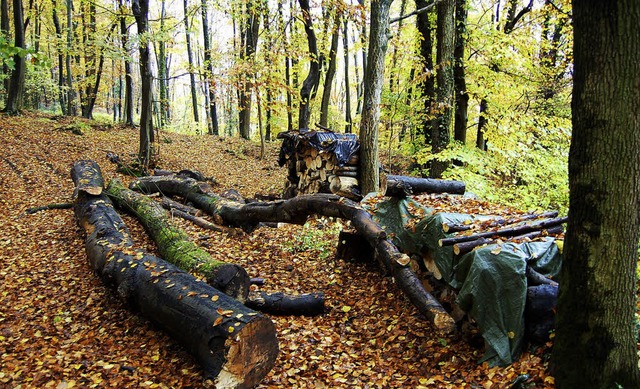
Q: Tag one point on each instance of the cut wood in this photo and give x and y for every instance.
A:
(308, 304)
(234, 345)
(174, 244)
(297, 210)
(465, 247)
(498, 222)
(402, 186)
(31, 211)
(513, 231)
(345, 187)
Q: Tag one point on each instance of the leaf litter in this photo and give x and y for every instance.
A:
(60, 327)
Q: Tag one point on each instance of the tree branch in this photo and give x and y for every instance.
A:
(416, 12)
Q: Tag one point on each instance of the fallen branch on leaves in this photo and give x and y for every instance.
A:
(174, 244)
(235, 345)
(307, 304)
(31, 211)
(297, 210)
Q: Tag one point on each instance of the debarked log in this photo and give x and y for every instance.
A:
(307, 304)
(402, 186)
(235, 345)
(174, 244)
(297, 210)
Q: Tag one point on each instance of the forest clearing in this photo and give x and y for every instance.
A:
(62, 327)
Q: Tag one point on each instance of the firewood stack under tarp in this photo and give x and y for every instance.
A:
(320, 162)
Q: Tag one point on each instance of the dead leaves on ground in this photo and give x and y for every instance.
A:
(61, 328)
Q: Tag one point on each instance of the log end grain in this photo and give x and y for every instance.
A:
(250, 355)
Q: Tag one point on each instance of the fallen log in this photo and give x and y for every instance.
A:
(296, 211)
(31, 211)
(513, 231)
(174, 244)
(402, 186)
(171, 204)
(308, 304)
(465, 247)
(234, 345)
(498, 222)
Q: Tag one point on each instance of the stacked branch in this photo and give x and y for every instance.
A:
(174, 244)
(297, 210)
(235, 345)
(403, 186)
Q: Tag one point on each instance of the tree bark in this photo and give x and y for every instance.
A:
(310, 84)
(192, 77)
(174, 244)
(58, 29)
(16, 82)
(297, 210)
(403, 186)
(208, 63)
(445, 32)
(145, 151)
(427, 86)
(308, 304)
(233, 344)
(248, 42)
(128, 78)
(331, 72)
(459, 80)
(347, 86)
(597, 303)
(373, 80)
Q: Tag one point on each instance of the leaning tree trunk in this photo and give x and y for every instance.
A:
(234, 345)
(297, 210)
(175, 247)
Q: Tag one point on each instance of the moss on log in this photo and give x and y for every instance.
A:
(234, 345)
(174, 244)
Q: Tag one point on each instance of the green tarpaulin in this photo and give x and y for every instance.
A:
(491, 280)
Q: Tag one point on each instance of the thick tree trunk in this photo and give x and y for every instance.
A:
(596, 328)
(233, 344)
(145, 151)
(16, 82)
(373, 80)
(331, 72)
(297, 210)
(460, 84)
(175, 247)
(403, 186)
(428, 85)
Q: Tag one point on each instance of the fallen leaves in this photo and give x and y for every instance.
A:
(61, 328)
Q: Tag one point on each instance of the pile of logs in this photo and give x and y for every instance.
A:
(525, 227)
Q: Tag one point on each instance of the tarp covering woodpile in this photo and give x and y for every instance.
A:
(318, 159)
(491, 279)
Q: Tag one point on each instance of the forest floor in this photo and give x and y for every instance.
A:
(61, 328)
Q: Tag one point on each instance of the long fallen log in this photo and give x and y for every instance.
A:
(465, 247)
(296, 211)
(512, 231)
(403, 186)
(174, 244)
(491, 223)
(235, 345)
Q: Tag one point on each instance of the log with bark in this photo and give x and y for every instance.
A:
(512, 231)
(403, 186)
(449, 228)
(235, 345)
(465, 247)
(174, 244)
(297, 210)
(307, 304)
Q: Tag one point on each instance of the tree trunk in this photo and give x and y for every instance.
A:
(308, 304)
(297, 210)
(428, 85)
(58, 29)
(16, 82)
(175, 247)
(208, 63)
(331, 72)
(481, 141)
(234, 345)
(347, 84)
(597, 303)
(89, 36)
(310, 84)
(248, 42)
(71, 93)
(460, 84)
(192, 77)
(445, 32)
(145, 152)
(4, 30)
(128, 78)
(161, 59)
(373, 80)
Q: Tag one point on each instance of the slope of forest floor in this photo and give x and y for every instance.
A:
(61, 328)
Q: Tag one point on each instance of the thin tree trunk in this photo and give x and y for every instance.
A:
(331, 72)
(481, 141)
(310, 84)
(128, 77)
(145, 151)
(347, 84)
(428, 85)
(161, 59)
(192, 77)
(208, 63)
(4, 29)
(460, 84)
(58, 29)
